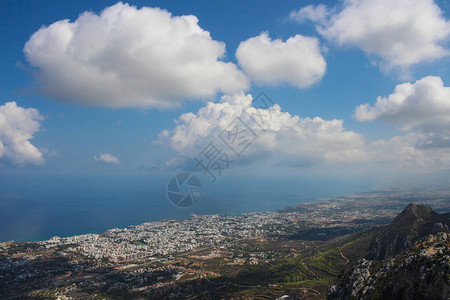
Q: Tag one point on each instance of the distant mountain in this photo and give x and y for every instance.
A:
(411, 225)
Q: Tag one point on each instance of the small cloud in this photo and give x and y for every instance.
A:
(107, 159)
(20, 65)
(318, 14)
(298, 61)
(49, 153)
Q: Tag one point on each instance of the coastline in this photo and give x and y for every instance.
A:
(389, 201)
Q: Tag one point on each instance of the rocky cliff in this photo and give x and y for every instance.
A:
(421, 273)
(410, 259)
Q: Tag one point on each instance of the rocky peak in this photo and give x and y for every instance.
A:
(412, 224)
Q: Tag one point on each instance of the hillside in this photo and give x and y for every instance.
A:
(406, 259)
(422, 272)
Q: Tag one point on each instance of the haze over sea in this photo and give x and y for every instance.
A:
(72, 205)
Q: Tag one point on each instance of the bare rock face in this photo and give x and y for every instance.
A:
(422, 272)
(357, 286)
(411, 225)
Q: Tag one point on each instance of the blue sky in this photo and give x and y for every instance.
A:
(335, 62)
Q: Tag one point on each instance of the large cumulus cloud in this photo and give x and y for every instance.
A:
(282, 137)
(399, 33)
(130, 57)
(422, 108)
(17, 127)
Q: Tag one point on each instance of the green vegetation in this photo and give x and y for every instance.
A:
(313, 272)
(310, 283)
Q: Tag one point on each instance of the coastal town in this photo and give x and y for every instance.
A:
(162, 247)
(157, 239)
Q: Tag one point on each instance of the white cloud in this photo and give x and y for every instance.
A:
(297, 61)
(398, 151)
(318, 14)
(402, 33)
(289, 140)
(130, 57)
(422, 110)
(107, 159)
(17, 127)
(284, 138)
(406, 153)
(422, 107)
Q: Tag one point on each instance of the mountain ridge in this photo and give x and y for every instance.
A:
(412, 224)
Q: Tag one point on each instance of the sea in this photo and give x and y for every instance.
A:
(40, 207)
